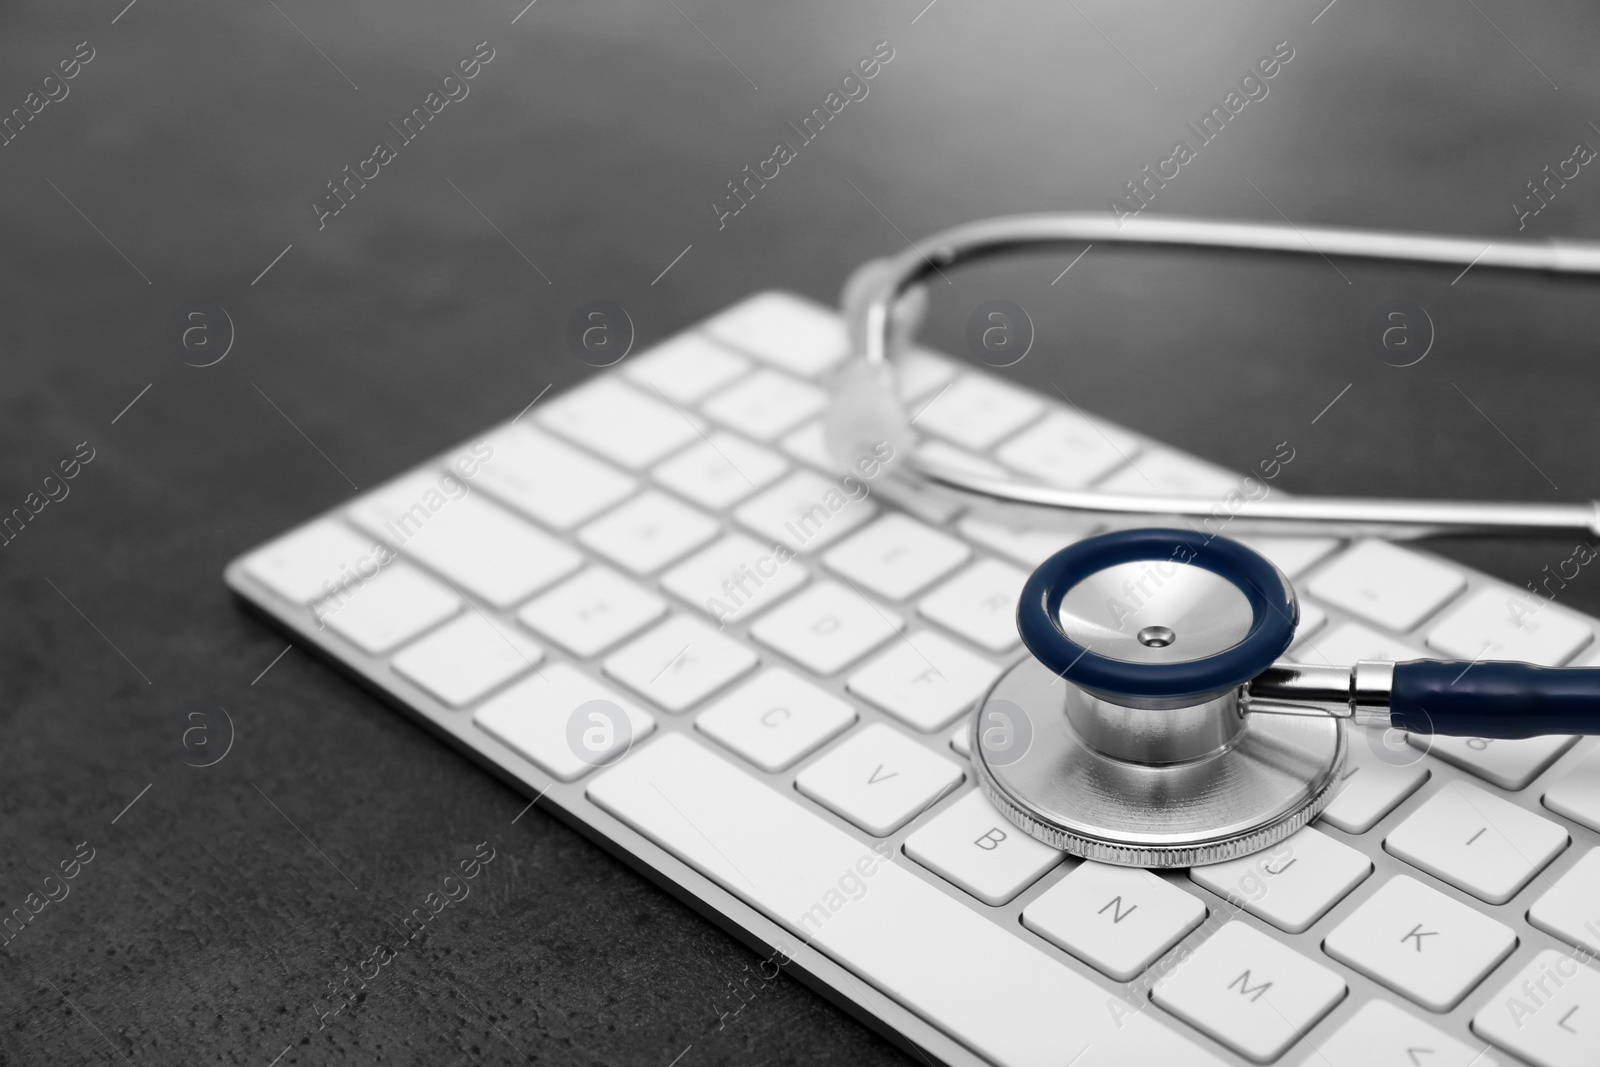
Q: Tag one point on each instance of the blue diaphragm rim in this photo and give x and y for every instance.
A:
(1274, 610)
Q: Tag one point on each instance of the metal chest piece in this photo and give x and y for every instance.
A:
(1122, 739)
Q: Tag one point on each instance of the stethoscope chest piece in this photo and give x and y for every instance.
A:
(1123, 738)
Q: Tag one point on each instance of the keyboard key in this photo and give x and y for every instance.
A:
(806, 511)
(680, 663)
(1160, 472)
(1304, 876)
(924, 681)
(313, 561)
(388, 610)
(1066, 449)
(535, 718)
(1421, 943)
(1118, 920)
(463, 660)
(1387, 585)
(721, 470)
(963, 973)
(1251, 992)
(827, 628)
(1350, 642)
(978, 411)
(919, 372)
(973, 846)
(961, 740)
(1027, 545)
(1570, 909)
(1382, 1035)
(1477, 842)
(945, 454)
(897, 556)
(1291, 555)
(1374, 781)
(648, 532)
(878, 779)
(591, 611)
(735, 578)
(549, 480)
(785, 330)
(809, 444)
(686, 367)
(1577, 793)
(619, 422)
(980, 604)
(1548, 1013)
(1509, 764)
(477, 545)
(1497, 622)
(765, 404)
(775, 719)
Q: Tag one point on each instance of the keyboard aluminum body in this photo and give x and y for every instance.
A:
(775, 335)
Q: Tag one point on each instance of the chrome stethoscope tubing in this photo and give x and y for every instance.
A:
(867, 409)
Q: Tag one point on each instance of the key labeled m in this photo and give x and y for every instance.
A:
(1247, 990)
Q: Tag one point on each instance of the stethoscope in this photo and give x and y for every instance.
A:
(1153, 725)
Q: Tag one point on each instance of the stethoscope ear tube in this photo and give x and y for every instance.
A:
(1494, 700)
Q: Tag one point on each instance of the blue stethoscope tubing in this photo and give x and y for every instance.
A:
(1480, 698)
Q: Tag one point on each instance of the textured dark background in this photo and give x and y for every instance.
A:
(196, 140)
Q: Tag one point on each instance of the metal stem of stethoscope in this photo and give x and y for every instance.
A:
(867, 409)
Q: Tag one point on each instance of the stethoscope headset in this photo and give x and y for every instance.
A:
(1154, 724)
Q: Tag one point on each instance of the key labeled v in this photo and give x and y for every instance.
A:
(873, 779)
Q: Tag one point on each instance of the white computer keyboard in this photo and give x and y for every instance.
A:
(793, 764)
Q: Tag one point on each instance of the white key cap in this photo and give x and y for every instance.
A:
(649, 532)
(879, 779)
(311, 562)
(1350, 642)
(933, 450)
(619, 422)
(977, 411)
(765, 404)
(539, 718)
(1382, 1035)
(1379, 772)
(1291, 555)
(1304, 876)
(1577, 793)
(1570, 909)
(479, 546)
(919, 372)
(809, 444)
(1064, 448)
(1420, 943)
(1161, 472)
(924, 681)
(721, 470)
(775, 719)
(463, 660)
(1116, 919)
(980, 604)
(680, 663)
(961, 740)
(547, 479)
(1311, 619)
(1252, 992)
(386, 611)
(1509, 764)
(591, 611)
(1387, 585)
(973, 846)
(1498, 623)
(1029, 547)
(735, 578)
(976, 980)
(806, 511)
(1477, 842)
(686, 367)
(827, 627)
(897, 556)
(1549, 1013)
(787, 331)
